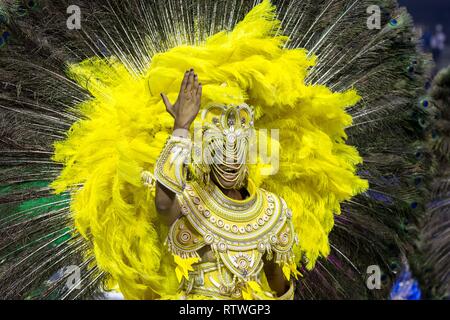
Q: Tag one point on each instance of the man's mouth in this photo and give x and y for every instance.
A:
(230, 168)
(229, 172)
(230, 176)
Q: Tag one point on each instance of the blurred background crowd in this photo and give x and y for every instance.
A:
(432, 19)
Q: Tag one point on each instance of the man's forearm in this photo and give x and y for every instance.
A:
(166, 204)
(170, 175)
(275, 277)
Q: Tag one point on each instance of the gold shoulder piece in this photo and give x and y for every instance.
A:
(170, 169)
(183, 240)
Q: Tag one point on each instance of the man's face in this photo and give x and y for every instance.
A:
(226, 154)
(225, 141)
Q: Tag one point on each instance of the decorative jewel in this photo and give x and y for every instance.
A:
(261, 247)
(222, 247)
(273, 239)
(235, 229)
(243, 261)
(185, 236)
(220, 223)
(269, 211)
(209, 239)
(260, 221)
(223, 289)
(207, 213)
(242, 230)
(185, 210)
(231, 137)
(249, 228)
(196, 201)
(236, 293)
(284, 238)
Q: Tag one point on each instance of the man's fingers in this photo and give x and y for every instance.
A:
(184, 82)
(190, 83)
(195, 83)
(166, 100)
(167, 103)
(199, 92)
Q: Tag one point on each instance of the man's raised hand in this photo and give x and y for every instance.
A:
(187, 105)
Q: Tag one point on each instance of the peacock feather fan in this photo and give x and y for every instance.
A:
(432, 260)
(82, 117)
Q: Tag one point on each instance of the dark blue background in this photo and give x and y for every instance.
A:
(429, 12)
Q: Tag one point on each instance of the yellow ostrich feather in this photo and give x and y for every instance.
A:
(126, 125)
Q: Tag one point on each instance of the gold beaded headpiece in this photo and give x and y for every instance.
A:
(226, 131)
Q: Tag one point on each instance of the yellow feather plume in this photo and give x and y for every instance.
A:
(126, 125)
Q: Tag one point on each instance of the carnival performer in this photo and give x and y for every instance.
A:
(240, 233)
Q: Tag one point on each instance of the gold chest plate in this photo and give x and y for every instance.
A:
(238, 232)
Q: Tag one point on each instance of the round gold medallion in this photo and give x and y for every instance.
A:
(261, 247)
(222, 247)
(284, 238)
(184, 210)
(184, 236)
(208, 238)
(273, 239)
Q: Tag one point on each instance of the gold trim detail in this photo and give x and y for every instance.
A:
(239, 234)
